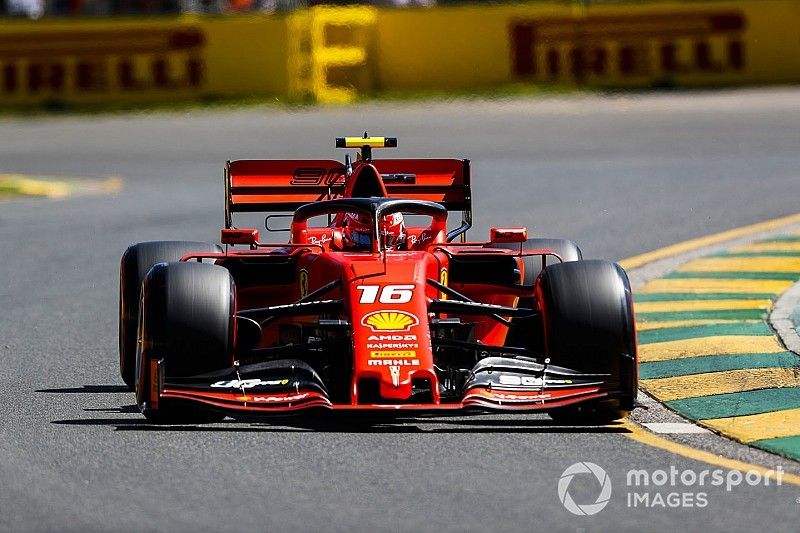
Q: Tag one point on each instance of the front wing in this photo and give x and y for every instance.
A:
(492, 387)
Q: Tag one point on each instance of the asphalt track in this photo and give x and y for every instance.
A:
(621, 176)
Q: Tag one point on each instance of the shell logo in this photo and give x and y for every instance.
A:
(389, 321)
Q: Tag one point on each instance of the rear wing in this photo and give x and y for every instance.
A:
(281, 186)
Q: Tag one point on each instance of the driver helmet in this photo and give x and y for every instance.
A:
(357, 231)
(394, 231)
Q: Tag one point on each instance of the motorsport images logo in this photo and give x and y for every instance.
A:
(587, 509)
(662, 488)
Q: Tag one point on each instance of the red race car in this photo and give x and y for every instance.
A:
(374, 304)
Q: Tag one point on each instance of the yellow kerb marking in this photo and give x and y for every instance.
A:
(679, 387)
(743, 264)
(756, 427)
(700, 305)
(760, 247)
(694, 244)
(644, 325)
(721, 345)
(772, 421)
(746, 286)
(639, 434)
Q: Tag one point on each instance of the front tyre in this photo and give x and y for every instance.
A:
(136, 262)
(186, 322)
(587, 312)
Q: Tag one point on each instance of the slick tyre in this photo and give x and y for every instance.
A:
(587, 314)
(136, 262)
(185, 322)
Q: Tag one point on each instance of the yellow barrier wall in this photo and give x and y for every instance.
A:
(141, 59)
(692, 44)
(325, 53)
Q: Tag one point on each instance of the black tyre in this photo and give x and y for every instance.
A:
(587, 310)
(136, 262)
(186, 321)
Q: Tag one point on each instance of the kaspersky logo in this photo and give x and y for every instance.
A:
(389, 321)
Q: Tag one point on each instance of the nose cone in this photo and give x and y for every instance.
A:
(391, 336)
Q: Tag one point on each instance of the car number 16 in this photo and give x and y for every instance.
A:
(389, 294)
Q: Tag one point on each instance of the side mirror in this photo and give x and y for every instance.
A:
(502, 235)
(239, 236)
(337, 239)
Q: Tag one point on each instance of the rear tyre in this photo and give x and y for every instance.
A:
(186, 321)
(566, 249)
(526, 332)
(587, 311)
(136, 262)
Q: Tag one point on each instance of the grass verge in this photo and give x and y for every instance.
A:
(20, 186)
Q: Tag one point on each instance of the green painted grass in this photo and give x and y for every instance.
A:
(722, 314)
(680, 296)
(738, 403)
(730, 404)
(756, 254)
(790, 276)
(8, 189)
(711, 330)
(786, 446)
(784, 238)
(716, 363)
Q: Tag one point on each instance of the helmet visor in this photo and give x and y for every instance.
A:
(361, 239)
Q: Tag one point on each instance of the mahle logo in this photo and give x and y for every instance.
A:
(589, 508)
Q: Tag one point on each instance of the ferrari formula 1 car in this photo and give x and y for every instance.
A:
(373, 304)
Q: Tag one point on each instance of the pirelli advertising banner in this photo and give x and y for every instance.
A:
(131, 60)
(316, 53)
(617, 45)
